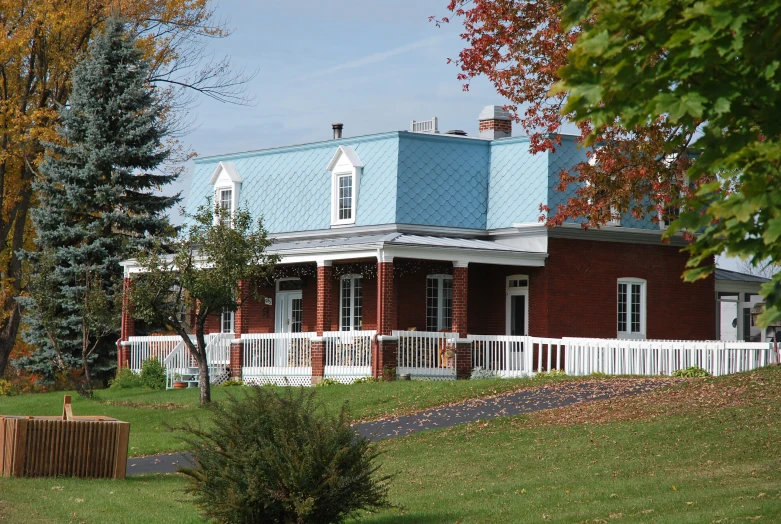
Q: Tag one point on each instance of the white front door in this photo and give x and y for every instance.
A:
(288, 312)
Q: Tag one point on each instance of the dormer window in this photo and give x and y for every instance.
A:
(345, 168)
(227, 183)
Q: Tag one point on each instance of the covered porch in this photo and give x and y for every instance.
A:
(345, 308)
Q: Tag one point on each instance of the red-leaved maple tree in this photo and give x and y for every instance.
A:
(520, 45)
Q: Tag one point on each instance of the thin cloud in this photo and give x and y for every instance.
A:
(372, 59)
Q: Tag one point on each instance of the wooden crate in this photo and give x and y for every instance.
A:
(94, 447)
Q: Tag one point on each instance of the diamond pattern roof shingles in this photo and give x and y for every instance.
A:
(291, 188)
(518, 183)
(443, 181)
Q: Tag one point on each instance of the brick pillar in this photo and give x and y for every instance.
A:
(128, 326)
(318, 360)
(386, 301)
(325, 283)
(384, 356)
(463, 359)
(236, 359)
(240, 323)
(460, 296)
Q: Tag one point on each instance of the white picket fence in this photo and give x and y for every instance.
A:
(348, 355)
(426, 354)
(664, 357)
(525, 356)
(284, 359)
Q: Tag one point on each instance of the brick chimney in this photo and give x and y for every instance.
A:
(495, 122)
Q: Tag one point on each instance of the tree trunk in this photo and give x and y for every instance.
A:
(87, 377)
(203, 381)
(8, 338)
(203, 365)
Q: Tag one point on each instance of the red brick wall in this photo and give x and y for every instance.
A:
(499, 125)
(574, 295)
(410, 286)
(582, 284)
(487, 298)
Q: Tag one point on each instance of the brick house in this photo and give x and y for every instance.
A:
(439, 232)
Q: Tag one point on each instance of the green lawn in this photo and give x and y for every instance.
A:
(148, 411)
(706, 451)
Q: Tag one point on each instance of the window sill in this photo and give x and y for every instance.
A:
(631, 336)
(337, 225)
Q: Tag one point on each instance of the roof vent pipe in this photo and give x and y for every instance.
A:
(337, 130)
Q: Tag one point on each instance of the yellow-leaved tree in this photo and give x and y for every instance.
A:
(42, 41)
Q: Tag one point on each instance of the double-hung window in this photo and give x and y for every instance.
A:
(439, 303)
(225, 203)
(631, 308)
(344, 202)
(351, 303)
(227, 321)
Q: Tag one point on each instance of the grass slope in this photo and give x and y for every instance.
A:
(704, 451)
(149, 411)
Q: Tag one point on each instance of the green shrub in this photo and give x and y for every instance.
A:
(6, 388)
(272, 457)
(365, 380)
(126, 378)
(479, 372)
(153, 374)
(551, 373)
(232, 383)
(692, 372)
(599, 374)
(327, 382)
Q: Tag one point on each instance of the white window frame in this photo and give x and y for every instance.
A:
(352, 277)
(344, 163)
(226, 178)
(663, 224)
(227, 318)
(440, 278)
(629, 281)
(516, 291)
(336, 198)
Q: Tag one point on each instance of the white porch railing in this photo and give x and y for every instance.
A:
(181, 366)
(510, 356)
(144, 348)
(348, 355)
(426, 354)
(284, 359)
(664, 357)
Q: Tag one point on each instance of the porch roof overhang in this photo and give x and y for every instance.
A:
(386, 247)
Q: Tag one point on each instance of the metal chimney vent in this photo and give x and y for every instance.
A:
(337, 130)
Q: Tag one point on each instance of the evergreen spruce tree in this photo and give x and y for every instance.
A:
(98, 203)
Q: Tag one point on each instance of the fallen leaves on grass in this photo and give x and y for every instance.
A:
(701, 397)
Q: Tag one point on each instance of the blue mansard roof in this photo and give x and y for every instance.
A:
(407, 178)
